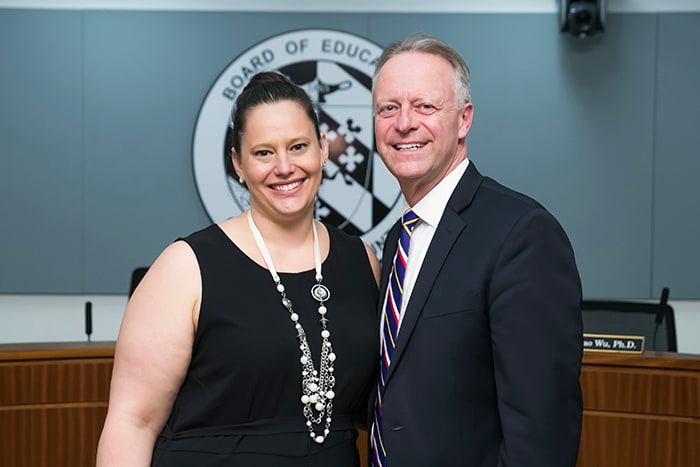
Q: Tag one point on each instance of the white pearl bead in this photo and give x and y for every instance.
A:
(280, 288)
(294, 317)
(331, 357)
(313, 398)
(319, 439)
(326, 431)
(308, 423)
(330, 394)
(325, 334)
(322, 310)
(304, 360)
(320, 407)
(313, 387)
(304, 399)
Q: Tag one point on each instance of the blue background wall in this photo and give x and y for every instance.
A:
(97, 111)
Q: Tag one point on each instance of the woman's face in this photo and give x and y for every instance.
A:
(280, 160)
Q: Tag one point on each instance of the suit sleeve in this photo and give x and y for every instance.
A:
(536, 328)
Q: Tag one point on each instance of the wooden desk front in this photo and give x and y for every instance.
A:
(640, 410)
(53, 401)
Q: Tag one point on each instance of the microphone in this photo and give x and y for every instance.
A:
(88, 319)
(663, 306)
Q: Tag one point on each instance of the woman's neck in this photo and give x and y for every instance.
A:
(290, 243)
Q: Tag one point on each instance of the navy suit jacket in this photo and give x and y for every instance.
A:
(486, 367)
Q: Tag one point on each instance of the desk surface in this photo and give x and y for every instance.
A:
(649, 359)
(55, 350)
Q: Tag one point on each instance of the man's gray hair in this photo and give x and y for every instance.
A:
(431, 45)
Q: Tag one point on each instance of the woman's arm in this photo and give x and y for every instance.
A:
(374, 262)
(153, 351)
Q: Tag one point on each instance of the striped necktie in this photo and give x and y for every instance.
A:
(391, 315)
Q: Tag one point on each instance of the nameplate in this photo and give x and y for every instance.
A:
(609, 343)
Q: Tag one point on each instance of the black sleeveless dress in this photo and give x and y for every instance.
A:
(239, 404)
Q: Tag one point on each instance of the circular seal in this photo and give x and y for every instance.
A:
(357, 192)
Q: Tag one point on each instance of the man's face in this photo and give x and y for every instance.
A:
(419, 130)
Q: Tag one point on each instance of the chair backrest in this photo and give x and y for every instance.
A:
(654, 321)
(136, 276)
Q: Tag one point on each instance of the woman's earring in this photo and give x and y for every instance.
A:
(240, 180)
(325, 162)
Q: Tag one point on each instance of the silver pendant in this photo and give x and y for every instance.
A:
(320, 292)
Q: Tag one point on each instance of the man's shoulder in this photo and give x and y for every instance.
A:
(495, 190)
(477, 194)
(476, 190)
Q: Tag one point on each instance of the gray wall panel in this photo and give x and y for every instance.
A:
(146, 76)
(41, 165)
(115, 96)
(677, 168)
(560, 119)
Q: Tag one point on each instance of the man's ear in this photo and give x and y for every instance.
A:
(466, 120)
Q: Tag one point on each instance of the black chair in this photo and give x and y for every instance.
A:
(136, 276)
(654, 321)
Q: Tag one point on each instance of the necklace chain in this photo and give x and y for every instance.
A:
(316, 385)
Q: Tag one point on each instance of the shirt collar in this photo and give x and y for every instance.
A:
(432, 205)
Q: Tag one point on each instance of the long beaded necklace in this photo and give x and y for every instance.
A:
(316, 385)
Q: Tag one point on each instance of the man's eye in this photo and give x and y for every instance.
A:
(262, 153)
(387, 109)
(426, 109)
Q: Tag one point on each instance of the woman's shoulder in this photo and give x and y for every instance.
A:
(340, 237)
(209, 231)
(345, 242)
(211, 236)
(352, 249)
(339, 233)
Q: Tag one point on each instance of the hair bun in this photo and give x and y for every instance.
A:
(267, 77)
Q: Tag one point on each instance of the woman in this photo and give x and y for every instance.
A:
(252, 342)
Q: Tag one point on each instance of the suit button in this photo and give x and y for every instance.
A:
(396, 428)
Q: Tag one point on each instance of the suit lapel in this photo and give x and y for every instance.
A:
(450, 227)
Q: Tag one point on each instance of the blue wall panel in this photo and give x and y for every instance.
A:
(560, 119)
(98, 110)
(147, 74)
(677, 163)
(41, 163)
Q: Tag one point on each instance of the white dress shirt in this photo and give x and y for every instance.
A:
(430, 210)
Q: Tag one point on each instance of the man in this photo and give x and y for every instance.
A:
(481, 322)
